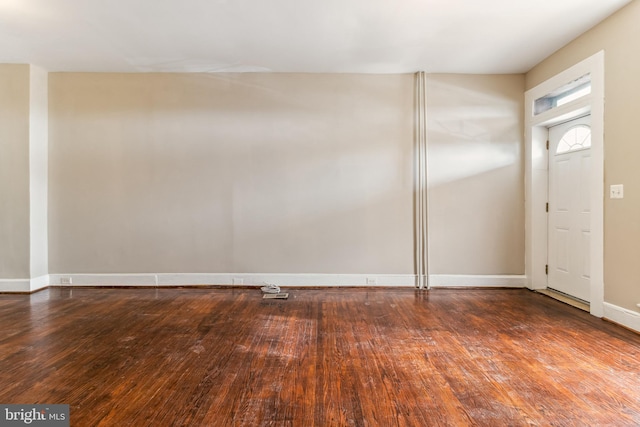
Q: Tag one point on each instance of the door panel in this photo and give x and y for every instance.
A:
(569, 208)
(562, 259)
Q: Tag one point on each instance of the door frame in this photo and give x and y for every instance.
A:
(537, 173)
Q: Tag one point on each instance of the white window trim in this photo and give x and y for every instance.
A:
(536, 173)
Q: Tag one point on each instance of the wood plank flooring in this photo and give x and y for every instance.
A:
(331, 357)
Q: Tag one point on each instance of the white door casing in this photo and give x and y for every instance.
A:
(569, 208)
(536, 173)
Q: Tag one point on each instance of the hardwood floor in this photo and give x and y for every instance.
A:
(331, 357)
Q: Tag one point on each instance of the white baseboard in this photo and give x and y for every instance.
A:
(302, 280)
(24, 285)
(477, 281)
(103, 279)
(15, 285)
(622, 316)
(240, 279)
(38, 283)
(290, 279)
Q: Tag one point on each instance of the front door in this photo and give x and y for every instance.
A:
(569, 208)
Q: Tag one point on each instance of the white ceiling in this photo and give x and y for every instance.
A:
(351, 36)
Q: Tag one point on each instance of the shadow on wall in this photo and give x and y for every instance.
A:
(476, 175)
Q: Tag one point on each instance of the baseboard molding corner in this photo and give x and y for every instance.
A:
(627, 318)
(39, 283)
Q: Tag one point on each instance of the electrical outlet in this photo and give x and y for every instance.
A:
(616, 191)
(371, 281)
(66, 281)
(238, 281)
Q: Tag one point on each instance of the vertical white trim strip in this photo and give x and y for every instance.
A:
(425, 177)
(417, 192)
(425, 205)
(38, 173)
(421, 195)
(597, 185)
(421, 177)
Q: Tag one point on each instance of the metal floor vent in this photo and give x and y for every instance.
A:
(283, 295)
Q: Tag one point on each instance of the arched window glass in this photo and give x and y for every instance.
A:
(576, 138)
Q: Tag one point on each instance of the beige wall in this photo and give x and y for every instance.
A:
(14, 171)
(281, 173)
(619, 37)
(476, 190)
(268, 173)
(255, 173)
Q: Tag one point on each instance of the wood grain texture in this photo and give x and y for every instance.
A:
(329, 357)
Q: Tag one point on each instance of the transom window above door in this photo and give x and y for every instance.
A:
(576, 138)
(565, 94)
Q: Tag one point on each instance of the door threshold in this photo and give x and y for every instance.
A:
(567, 299)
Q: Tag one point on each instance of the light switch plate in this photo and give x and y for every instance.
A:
(616, 191)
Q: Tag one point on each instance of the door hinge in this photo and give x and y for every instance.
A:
(547, 144)
(546, 269)
(547, 207)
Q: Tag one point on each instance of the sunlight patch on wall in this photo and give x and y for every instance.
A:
(453, 162)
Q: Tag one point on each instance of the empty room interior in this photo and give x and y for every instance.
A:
(320, 213)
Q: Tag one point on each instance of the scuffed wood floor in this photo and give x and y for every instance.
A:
(333, 357)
